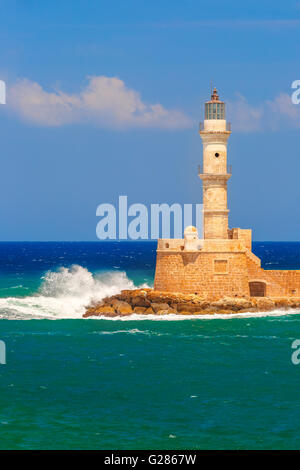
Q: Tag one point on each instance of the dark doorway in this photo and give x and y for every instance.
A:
(257, 289)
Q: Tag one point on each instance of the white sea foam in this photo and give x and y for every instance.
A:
(219, 316)
(65, 294)
(133, 331)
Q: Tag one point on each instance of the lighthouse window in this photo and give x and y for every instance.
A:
(217, 154)
(214, 110)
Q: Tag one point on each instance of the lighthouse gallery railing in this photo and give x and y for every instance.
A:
(228, 127)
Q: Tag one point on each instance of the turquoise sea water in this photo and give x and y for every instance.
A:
(69, 383)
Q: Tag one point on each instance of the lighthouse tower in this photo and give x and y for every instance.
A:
(220, 263)
(215, 172)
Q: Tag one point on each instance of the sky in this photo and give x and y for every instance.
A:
(104, 98)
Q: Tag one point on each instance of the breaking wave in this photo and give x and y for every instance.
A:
(65, 293)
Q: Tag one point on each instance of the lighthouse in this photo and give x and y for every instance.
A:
(214, 172)
(221, 264)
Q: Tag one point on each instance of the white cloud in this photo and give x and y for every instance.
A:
(269, 115)
(244, 117)
(105, 101)
(282, 108)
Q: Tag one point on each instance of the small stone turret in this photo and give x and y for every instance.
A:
(191, 240)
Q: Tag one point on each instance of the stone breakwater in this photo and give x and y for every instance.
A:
(151, 302)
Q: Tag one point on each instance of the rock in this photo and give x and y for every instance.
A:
(105, 310)
(122, 307)
(264, 304)
(149, 311)
(292, 302)
(156, 307)
(232, 303)
(283, 303)
(166, 311)
(158, 297)
(140, 302)
(247, 310)
(184, 307)
(162, 312)
(209, 310)
(140, 310)
(149, 302)
(130, 295)
(224, 312)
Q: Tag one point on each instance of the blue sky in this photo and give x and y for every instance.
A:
(104, 99)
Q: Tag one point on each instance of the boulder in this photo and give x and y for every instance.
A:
(163, 312)
(149, 311)
(264, 304)
(294, 302)
(129, 295)
(140, 302)
(105, 310)
(185, 307)
(121, 307)
(283, 303)
(140, 310)
(161, 306)
(166, 311)
(232, 303)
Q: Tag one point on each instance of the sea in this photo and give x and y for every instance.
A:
(169, 382)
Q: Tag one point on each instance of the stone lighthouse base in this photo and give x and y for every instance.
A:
(204, 277)
(214, 268)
